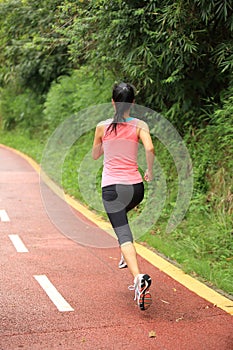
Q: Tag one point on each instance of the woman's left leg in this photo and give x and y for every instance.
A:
(128, 250)
(118, 200)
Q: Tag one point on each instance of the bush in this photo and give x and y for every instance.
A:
(211, 149)
(22, 110)
(74, 93)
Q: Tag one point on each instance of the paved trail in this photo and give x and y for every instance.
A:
(58, 294)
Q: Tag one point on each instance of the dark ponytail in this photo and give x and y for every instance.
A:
(123, 96)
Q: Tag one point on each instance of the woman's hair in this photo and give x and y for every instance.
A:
(123, 96)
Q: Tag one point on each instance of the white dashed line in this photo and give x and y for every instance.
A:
(53, 294)
(18, 244)
(3, 216)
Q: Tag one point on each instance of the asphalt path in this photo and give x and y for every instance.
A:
(56, 293)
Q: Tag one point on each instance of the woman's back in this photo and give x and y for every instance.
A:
(120, 153)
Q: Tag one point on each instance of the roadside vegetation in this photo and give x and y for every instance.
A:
(61, 57)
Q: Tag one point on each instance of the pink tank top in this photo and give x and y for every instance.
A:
(120, 154)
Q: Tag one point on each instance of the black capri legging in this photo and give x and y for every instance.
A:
(118, 200)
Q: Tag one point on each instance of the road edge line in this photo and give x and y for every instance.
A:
(186, 280)
(199, 288)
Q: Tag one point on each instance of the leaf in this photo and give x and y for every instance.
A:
(152, 334)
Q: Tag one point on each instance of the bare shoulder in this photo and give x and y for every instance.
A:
(99, 131)
(103, 123)
(142, 125)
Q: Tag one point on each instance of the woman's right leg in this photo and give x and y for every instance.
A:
(129, 252)
(118, 200)
(117, 214)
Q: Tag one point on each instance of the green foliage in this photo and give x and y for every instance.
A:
(24, 110)
(211, 149)
(31, 52)
(177, 53)
(74, 93)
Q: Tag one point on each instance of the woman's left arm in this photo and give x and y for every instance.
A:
(144, 135)
(97, 149)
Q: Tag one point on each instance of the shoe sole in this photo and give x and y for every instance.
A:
(123, 266)
(145, 299)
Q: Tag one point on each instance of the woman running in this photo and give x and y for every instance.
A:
(122, 184)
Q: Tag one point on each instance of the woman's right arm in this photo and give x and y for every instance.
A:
(144, 136)
(97, 149)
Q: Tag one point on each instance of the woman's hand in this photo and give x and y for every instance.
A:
(148, 176)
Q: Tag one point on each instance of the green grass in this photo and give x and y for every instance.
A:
(33, 147)
(201, 245)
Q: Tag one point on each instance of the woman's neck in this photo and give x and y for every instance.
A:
(126, 115)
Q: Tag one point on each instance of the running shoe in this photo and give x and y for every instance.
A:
(122, 264)
(142, 294)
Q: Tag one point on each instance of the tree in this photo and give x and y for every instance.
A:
(179, 54)
(32, 53)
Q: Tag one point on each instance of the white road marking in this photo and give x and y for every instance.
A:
(3, 216)
(53, 294)
(18, 244)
